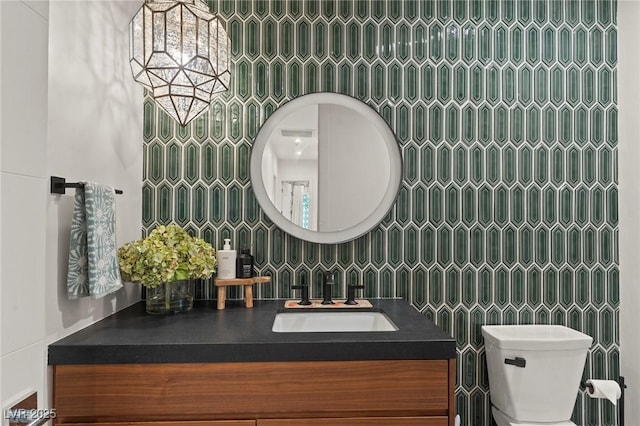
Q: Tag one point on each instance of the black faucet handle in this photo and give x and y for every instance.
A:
(304, 293)
(351, 294)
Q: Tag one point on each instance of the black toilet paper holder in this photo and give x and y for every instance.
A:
(589, 388)
(586, 386)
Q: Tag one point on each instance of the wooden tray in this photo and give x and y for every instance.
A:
(246, 283)
(317, 303)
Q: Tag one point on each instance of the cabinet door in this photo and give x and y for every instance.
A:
(245, 390)
(194, 423)
(358, 421)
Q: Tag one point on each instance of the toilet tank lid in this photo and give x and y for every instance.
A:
(535, 337)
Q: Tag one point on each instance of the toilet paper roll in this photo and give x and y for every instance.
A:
(605, 389)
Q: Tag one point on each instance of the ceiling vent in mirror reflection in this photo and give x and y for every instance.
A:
(297, 133)
(326, 168)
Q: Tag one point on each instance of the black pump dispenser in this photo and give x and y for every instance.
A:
(244, 263)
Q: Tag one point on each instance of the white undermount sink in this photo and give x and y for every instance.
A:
(332, 322)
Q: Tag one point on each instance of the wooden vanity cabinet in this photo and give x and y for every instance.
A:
(175, 423)
(307, 393)
(360, 421)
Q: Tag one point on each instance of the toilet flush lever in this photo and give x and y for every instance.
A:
(517, 361)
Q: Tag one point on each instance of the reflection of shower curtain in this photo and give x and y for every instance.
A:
(294, 194)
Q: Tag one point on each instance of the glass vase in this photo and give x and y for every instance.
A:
(169, 298)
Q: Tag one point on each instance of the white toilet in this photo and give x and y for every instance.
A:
(534, 373)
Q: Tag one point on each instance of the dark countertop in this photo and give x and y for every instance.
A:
(238, 334)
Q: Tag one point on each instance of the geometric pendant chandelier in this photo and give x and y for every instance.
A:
(180, 52)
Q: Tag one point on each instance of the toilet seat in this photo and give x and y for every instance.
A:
(504, 420)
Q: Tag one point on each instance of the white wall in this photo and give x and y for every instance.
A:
(69, 108)
(349, 190)
(95, 133)
(629, 201)
(23, 138)
(1, 204)
(269, 172)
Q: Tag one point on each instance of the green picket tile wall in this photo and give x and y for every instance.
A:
(506, 115)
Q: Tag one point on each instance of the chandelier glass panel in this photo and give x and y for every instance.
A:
(180, 52)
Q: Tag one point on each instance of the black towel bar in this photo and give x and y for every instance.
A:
(59, 185)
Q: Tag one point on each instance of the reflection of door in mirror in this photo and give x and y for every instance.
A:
(295, 202)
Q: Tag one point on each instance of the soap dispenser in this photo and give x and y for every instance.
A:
(226, 261)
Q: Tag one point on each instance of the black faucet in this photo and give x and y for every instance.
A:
(351, 294)
(328, 282)
(304, 292)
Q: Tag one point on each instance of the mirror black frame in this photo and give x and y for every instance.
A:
(332, 237)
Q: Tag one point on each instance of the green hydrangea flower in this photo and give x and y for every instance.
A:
(168, 254)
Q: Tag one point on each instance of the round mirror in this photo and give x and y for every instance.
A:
(325, 168)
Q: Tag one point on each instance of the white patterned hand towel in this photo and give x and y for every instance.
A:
(93, 255)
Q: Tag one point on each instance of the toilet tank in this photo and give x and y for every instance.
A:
(535, 370)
